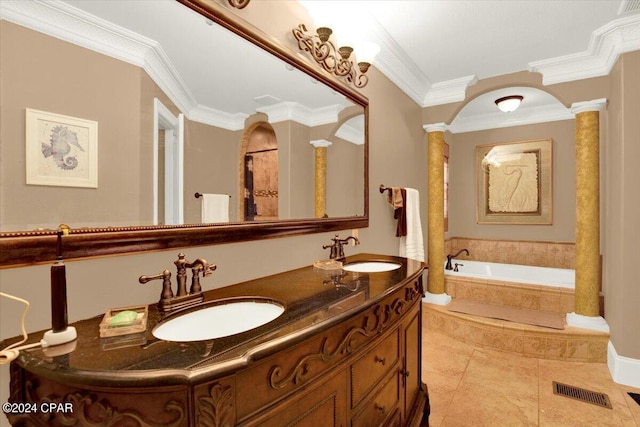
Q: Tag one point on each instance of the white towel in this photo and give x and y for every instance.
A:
(411, 245)
(215, 208)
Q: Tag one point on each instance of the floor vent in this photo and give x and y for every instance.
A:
(593, 397)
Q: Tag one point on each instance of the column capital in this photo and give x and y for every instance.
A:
(593, 105)
(318, 143)
(435, 127)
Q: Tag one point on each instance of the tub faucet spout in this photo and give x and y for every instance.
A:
(450, 257)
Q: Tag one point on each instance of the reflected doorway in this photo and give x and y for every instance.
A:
(168, 159)
(260, 173)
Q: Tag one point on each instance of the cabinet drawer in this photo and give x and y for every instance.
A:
(371, 367)
(379, 409)
(325, 406)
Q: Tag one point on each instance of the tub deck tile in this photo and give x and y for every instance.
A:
(570, 344)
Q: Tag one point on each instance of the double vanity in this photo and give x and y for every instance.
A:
(335, 347)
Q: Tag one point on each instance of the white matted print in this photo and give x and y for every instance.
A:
(61, 150)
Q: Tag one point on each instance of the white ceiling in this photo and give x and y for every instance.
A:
(432, 50)
(435, 50)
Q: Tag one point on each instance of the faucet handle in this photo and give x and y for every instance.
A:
(336, 248)
(199, 267)
(166, 283)
(207, 271)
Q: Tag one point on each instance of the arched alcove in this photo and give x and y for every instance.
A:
(481, 112)
(259, 173)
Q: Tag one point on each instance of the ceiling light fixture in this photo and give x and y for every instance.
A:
(509, 103)
(337, 60)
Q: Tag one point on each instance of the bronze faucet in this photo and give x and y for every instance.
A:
(169, 301)
(337, 248)
(449, 257)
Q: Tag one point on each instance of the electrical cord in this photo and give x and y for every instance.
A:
(12, 351)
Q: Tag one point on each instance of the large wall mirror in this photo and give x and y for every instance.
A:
(122, 119)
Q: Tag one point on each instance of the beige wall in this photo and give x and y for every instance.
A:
(345, 178)
(44, 73)
(462, 183)
(620, 217)
(211, 166)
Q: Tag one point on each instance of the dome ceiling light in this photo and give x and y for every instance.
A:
(509, 103)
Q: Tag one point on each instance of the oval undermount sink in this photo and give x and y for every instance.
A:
(218, 321)
(371, 266)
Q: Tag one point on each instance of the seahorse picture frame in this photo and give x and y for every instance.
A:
(61, 150)
(514, 182)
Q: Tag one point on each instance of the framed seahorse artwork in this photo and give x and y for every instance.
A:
(61, 150)
(514, 182)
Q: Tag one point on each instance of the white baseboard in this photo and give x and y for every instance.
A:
(438, 299)
(624, 370)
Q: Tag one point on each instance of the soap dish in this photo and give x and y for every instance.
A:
(110, 327)
(328, 264)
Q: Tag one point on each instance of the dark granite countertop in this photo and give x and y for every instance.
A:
(314, 300)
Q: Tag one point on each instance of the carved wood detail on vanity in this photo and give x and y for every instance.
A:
(358, 365)
(379, 319)
(88, 408)
(214, 405)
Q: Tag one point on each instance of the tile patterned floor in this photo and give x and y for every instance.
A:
(471, 386)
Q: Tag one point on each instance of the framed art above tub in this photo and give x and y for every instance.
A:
(514, 182)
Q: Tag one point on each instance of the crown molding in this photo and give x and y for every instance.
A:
(67, 23)
(220, 119)
(541, 114)
(448, 91)
(607, 43)
(292, 111)
(70, 24)
(350, 134)
(394, 63)
(584, 106)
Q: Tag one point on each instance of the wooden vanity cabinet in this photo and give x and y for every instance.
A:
(360, 370)
(362, 373)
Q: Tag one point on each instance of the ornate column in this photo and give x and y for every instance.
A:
(320, 177)
(435, 230)
(587, 281)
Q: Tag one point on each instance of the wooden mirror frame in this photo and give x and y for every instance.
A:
(26, 248)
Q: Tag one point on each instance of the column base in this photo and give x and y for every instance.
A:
(438, 299)
(587, 322)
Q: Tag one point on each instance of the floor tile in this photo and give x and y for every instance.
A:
(473, 386)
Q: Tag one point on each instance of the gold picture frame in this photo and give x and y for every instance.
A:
(514, 182)
(61, 150)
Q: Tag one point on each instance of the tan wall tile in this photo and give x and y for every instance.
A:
(513, 342)
(533, 346)
(555, 348)
(543, 254)
(578, 350)
(550, 302)
(598, 350)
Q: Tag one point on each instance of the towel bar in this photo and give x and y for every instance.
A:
(198, 195)
(383, 189)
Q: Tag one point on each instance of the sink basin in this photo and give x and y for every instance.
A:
(218, 321)
(371, 266)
